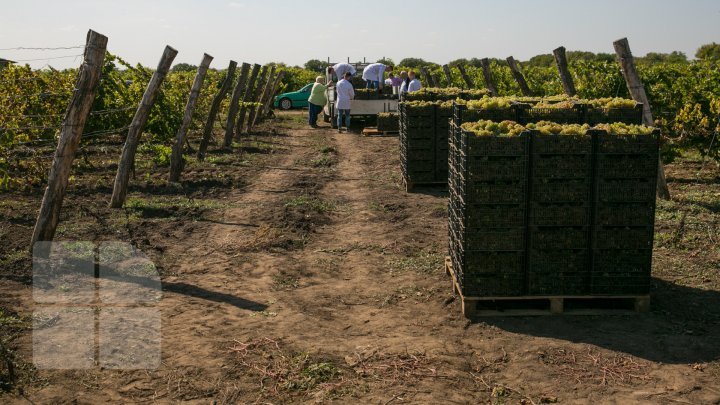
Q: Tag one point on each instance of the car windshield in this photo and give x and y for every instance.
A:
(307, 88)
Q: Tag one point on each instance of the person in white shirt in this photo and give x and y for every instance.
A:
(411, 84)
(414, 83)
(340, 69)
(345, 93)
(374, 74)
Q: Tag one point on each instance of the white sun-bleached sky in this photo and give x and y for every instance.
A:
(293, 32)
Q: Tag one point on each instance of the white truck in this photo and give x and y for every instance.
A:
(358, 108)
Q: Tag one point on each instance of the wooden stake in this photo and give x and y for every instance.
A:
(426, 75)
(259, 88)
(436, 79)
(565, 76)
(247, 96)
(468, 82)
(519, 77)
(176, 159)
(234, 100)
(263, 99)
(637, 91)
(269, 101)
(73, 125)
(214, 108)
(127, 159)
(489, 84)
(448, 76)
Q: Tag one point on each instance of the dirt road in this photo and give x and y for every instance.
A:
(315, 278)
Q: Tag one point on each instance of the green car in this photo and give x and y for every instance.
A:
(295, 99)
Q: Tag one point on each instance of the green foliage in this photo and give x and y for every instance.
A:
(295, 77)
(315, 65)
(386, 61)
(709, 52)
(184, 67)
(416, 63)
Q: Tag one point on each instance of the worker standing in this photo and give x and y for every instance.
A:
(374, 75)
(345, 93)
(317, 100)
(340, 69)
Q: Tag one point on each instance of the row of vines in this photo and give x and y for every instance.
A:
(33, 103)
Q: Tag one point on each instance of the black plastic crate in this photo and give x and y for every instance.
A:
(620, 285)
(627, 190)
(625, 214)
(424, 144)
(497, 193)
(559, 261)
(596, 116)
(420, 154)
(562, 167)
(474, 145)
(494, 263)
(627, 167)
(565, 238)
(561, 191)
(561, 144)
(494, 168)
(492, 216)
(623, 262)
(559, 214)
(494, 239)
(623, 238)
(629, 144)
(493, 285)
(557, 115)
(558, 284)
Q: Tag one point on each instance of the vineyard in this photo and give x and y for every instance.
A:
(305, 265)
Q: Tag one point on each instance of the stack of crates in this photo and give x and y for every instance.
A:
(487, 213)
(419, 145)
(627, 168)
(551, 215)
(560, 208)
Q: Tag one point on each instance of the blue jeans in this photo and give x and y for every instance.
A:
(314, 110)
(340, 114)
(372, 84)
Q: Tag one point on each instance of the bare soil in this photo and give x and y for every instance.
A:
(300, 271)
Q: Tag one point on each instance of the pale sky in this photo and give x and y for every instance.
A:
(261, 31)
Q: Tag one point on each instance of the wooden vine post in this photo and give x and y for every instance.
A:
(259, 89)
(214, 108)
(489, 84)
(448, 75)
(73, 124)
(127, 158)
(426, 75)
(176, 159)
(247, 96)
(468, 82)
(234, 100)
(436, 79)
(637, 92)
(269, 101)
(258, 114)
(565, 76)
(519, 77)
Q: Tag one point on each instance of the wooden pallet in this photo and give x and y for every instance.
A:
(409, 185)
(373, 131)
(547, 305)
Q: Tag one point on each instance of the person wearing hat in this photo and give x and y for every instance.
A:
(317, 100)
